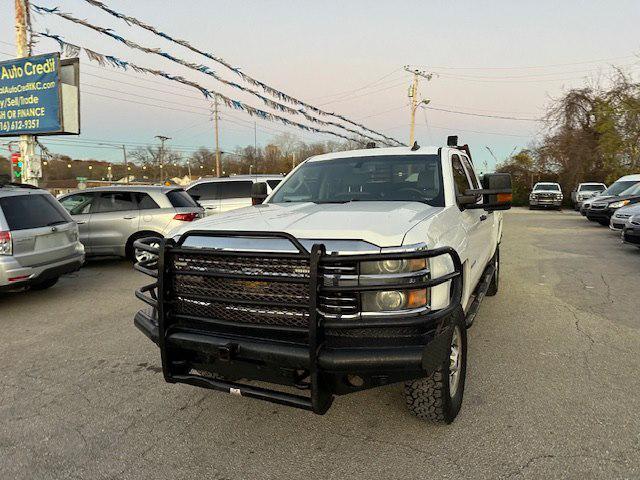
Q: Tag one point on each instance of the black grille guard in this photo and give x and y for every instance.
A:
(319, 401)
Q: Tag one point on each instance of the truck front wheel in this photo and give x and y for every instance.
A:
(437, 397)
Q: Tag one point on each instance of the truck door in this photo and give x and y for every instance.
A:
(487, 219)
(471, 222)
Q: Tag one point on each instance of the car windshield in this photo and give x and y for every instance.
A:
(592, 188)
(633, 190)
(620, 186)
(547, 186)
(379, 178)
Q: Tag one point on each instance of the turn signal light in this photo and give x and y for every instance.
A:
(185, 217)
(505, 197)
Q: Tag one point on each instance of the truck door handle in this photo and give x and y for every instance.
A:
(210, 208)
(81, 223)
(483, 217)
(128, 218)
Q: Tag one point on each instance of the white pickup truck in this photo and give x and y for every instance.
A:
(363, 268)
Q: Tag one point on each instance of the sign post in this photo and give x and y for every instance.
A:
(27, 142)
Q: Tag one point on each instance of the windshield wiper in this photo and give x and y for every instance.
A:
(57, 222)
(338, 201)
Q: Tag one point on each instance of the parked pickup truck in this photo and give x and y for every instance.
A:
(585, 191)
(361, 269)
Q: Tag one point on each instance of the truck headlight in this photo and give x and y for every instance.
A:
(619, 204)
(386, 267)
(394, 300)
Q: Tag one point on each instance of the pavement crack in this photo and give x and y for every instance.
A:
(528, 463)
(608, 288)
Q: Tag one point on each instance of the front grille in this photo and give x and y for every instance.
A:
(338, 303)
(598, 206)
(244, 290)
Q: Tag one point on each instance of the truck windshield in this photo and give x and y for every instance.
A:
(547, 186)
(380, 178)
(592, 188)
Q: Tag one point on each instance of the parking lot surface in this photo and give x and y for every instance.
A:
(552, 388)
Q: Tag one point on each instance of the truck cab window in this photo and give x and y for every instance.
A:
(460, 178)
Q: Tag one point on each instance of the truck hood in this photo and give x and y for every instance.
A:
(384, 224)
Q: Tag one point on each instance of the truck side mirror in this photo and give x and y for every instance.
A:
(496, 192)
(258, 193)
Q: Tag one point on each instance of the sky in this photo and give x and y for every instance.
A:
(489, 59)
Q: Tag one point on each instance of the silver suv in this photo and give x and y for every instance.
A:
(219, 195)
(112, 218)
(38, 239)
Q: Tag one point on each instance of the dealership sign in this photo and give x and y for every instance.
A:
(30, 96)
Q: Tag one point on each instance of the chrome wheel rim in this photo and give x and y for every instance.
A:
(455, 359)
(143, 256)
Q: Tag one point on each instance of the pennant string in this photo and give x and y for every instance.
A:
(116, 62)
(129, 20)
(200, 68)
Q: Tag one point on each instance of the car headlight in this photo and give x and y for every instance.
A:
(619, 204)
(386, 267)
(394, 300)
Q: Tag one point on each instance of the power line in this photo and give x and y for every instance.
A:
(377, 82)
(481, 115)
(363, 95)
(536, 66)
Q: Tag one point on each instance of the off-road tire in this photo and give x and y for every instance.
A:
(495, 280)
(45, 284)
(428, 398)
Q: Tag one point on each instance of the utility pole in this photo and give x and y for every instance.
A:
(215, 121)
(293, 160)
(255, 139)
(162, 139)
(32, 170)
(126, 164)
(413, 95)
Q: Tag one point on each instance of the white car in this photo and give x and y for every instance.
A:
(222, 194)
(363, 268)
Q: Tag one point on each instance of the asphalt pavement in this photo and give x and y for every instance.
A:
(553, 384)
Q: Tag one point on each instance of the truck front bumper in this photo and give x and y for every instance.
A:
(326, 357)
(545, 202)
(343, 370)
